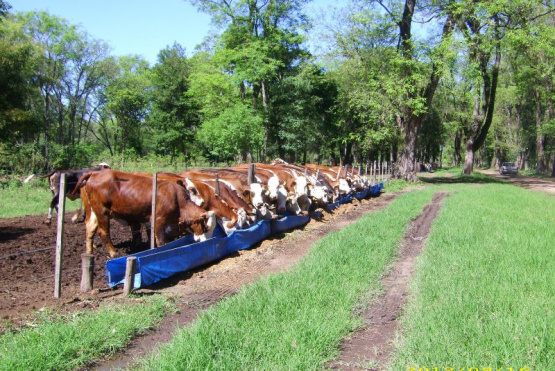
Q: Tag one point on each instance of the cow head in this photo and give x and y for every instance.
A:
(263, 213)
(344, 186)
(194, 194)
(318, 193)
(273, 185)
(241, 218)
(281, 199)
(304, 202)
(257, 194)
(228, 225)
(301, 186)
(201, 227)
(293, 204)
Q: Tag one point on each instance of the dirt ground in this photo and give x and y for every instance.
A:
(546, 185)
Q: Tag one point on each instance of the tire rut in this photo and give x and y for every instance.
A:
(370, 347)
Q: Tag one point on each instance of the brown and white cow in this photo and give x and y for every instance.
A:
(72, 176)
(127, 197)
(228, 218)
(332, 177)
(295, 186)
(254, 193)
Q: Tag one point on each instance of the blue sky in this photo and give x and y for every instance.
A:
(135, 26)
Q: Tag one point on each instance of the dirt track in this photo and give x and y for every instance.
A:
(546, 185)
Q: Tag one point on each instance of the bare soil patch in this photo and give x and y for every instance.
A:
(371, 346)
(546, 185)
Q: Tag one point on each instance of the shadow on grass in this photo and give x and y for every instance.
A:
(474, 178)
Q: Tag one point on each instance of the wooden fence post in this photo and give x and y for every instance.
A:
(251, 173)
(87, 271)
(153, 215)
(217, 186)
(60, 237)
(129, 283)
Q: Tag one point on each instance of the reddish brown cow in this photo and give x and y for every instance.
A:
(127, 197)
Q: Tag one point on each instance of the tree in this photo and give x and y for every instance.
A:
(174, 116)
(409, 82)
(128, 101)
(238, 130)
(260, 41)
(17, 62)
(483, 25)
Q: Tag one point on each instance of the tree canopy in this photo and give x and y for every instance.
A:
(452, 82)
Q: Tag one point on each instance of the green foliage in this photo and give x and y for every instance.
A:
(128, 100)
(235, 132)
(17, 62)
(174, 116)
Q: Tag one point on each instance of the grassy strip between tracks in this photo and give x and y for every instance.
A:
(58, 342)
(484, 292)
(296, 319)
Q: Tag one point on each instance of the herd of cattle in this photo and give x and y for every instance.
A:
(194, 201)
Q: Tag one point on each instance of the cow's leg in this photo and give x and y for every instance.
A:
(136, 233)
(91, 224)
(160, 234)
(53, 206)
(104, 233)
(80, 216)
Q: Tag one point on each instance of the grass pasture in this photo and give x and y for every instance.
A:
(56, 342)
(484, 292)
(296, 320)
(29, 200)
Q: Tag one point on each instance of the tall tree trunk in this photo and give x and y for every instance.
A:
(540, 137)
(483, 113)
(406, 159)
(410, 122)
(266, 123)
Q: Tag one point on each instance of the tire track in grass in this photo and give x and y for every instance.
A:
(371, 346)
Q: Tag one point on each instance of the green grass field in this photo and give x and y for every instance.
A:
(29, 200)
(484, 292)
(296, 320)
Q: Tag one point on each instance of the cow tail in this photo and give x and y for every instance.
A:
(81, 182)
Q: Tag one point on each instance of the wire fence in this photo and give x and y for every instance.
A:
(134, 232)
